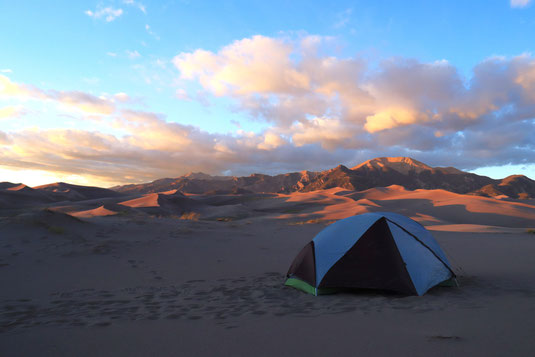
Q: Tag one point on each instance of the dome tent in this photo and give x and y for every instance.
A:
(380, 250)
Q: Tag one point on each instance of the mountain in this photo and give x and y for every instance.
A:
(203, 183)
(380, 172)
(514, 186)
(403, 165)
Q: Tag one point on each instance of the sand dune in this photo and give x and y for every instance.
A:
(430, 207)
(20, 195)
(20, 188)
(170, 202)
(96, 212)
(437, 208)
(440, 206)
(70, 192)
(202, 275)
(148, 200)
(474, 228)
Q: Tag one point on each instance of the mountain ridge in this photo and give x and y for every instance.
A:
(407, 172)
(379, 172)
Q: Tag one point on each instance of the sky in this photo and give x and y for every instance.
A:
(125, 91)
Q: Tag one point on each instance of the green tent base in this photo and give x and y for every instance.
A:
(452, 282)
(309, 289)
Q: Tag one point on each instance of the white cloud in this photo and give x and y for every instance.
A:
(256, 65)
(6, 70)
(137, 4)
(181, 94)
(152, 33)
(271, 141)
(330, 133)
(133, 54)
(520, 3)
(108, 13)
(122, 97)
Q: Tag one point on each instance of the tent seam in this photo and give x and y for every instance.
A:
(425, 245)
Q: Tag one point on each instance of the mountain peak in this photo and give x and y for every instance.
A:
(203, 176)
(512, 178)
(340, 167)
(401, 164)
(198, 175)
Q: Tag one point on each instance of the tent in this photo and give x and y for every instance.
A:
(380, 250)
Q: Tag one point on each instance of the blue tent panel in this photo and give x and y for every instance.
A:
(424, 268)
(419, 231)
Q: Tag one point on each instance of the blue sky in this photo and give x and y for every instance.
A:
(193, 85)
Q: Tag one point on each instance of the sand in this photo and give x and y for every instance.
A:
(107, 279)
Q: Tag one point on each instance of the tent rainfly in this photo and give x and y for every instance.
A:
(381, 250)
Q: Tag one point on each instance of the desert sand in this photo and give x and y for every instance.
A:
(168, 274)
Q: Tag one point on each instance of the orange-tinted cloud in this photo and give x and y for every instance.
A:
(72, 99)
(11, 111)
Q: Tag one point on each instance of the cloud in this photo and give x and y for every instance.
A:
(137, 4)
(6, 70)
(393, 117)
(343, 18)
(133, 54)
(108, 13)
(122, 97)
(11, 111)
(520, 3)
(256, 65)
(71, 99)
(342, 103)
(153, 149)
(4, 140)
(318, 110)
(266, 81)
(271, 141)
(181, 94)
(12, 89)
(330, 133)
(152, 33)
(83, 101)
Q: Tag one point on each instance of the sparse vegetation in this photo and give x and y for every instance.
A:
(56, 230)
(224, 219)
(531, 231)
(311, 221)
(191, 216)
